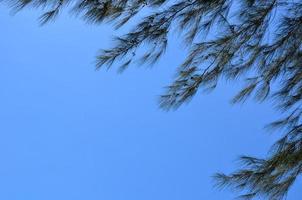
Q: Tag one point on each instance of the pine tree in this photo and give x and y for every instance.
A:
(255, 41)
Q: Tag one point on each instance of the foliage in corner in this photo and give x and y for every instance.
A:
(252, 40)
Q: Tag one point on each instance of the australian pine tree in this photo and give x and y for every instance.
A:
(258, 42)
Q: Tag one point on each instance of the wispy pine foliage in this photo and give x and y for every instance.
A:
(256, 40)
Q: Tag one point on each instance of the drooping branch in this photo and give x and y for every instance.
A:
(255, 41)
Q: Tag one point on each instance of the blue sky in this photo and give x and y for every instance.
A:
(69, 132)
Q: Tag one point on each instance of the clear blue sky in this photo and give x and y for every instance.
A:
(69, 132)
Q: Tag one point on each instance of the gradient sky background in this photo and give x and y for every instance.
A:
(69, 132)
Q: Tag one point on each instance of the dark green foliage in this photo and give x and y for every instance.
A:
(255, 40)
